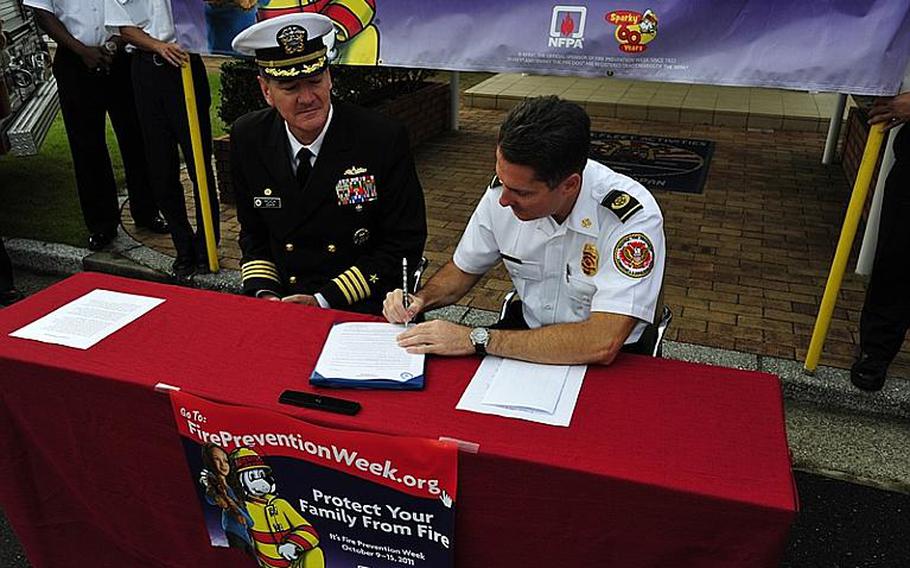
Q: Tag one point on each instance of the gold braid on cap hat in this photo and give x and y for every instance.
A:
(284, 72)
(294, 61)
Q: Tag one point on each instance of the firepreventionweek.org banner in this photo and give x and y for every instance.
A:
(290, 494)
(851, 46)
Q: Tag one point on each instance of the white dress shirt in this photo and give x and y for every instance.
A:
(83, 19)
(593, 261)
(154, 17)
(313, 147)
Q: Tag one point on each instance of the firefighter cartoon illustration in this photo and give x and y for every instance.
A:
(281, 536)
(356, 35)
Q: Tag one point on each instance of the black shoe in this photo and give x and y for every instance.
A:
(868, 374)
(184, 267)
(10, 296)
(97, 241)
(157, 225)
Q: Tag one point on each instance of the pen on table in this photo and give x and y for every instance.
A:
(405, 298)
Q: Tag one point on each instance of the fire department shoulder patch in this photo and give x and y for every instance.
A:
(633, 255)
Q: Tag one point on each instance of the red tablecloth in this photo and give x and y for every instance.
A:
(665, 464)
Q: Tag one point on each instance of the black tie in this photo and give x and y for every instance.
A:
(303, 167)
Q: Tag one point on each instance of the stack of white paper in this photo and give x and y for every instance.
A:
(366, 354)
(87, 320)
(529, 391)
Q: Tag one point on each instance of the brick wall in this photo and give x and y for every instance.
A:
(425, 113)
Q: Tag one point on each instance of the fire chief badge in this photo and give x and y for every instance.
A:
(589, 259)
(633, 255)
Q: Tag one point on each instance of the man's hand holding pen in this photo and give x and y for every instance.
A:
(394, 310)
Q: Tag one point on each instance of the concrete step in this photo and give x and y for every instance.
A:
(738, 107)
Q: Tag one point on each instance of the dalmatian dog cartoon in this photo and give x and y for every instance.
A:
(648, 23)
(281, 536)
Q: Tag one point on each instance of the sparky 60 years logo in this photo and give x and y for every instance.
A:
(634, 30)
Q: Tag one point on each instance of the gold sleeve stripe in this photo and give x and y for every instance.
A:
(361, 9)
(264, 267)
(362, 281)
(259, 270)
(257, 263)
(344, 290)
(266, 275)
(355, 285)
(355, 292)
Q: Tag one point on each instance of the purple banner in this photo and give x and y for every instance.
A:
(851, 46)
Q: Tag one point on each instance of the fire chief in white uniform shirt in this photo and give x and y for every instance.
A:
(584, 247)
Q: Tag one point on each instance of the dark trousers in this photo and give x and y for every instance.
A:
(886, 313)
(162, 112)
(85, 98)
(6, 269)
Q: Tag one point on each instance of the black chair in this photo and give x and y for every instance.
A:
(418, 274)
(666, 316)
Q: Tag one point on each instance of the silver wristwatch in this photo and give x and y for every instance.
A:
(480, 337)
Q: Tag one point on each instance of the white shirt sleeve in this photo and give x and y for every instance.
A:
(125, 13)
(632, 272)
(46, 5)
(478, 250)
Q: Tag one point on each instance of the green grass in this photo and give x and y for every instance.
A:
(38, 193)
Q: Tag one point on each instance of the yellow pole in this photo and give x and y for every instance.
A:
(202, 181)
(844, 244)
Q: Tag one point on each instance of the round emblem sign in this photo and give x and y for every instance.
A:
(634, 255)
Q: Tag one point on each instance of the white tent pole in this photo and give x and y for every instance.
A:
(834, 129)
(870, 236)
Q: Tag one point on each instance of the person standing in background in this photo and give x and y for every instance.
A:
(93, 80)
(148, 26)
(886, 311)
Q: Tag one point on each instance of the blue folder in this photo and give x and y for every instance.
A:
(413, 383)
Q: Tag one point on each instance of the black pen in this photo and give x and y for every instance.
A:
(568, 273)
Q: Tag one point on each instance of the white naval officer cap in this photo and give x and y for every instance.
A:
(292, 46)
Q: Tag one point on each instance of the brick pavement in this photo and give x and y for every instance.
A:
(747, 259)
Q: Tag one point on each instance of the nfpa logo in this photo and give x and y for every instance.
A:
(567, 27)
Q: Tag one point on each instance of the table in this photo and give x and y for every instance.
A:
(665, 464)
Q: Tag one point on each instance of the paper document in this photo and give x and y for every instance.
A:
(87, 320)
(529, 391)
(526, 385)
(367, 353)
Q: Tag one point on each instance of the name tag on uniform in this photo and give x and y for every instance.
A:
(356, 190)
(267, 202)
